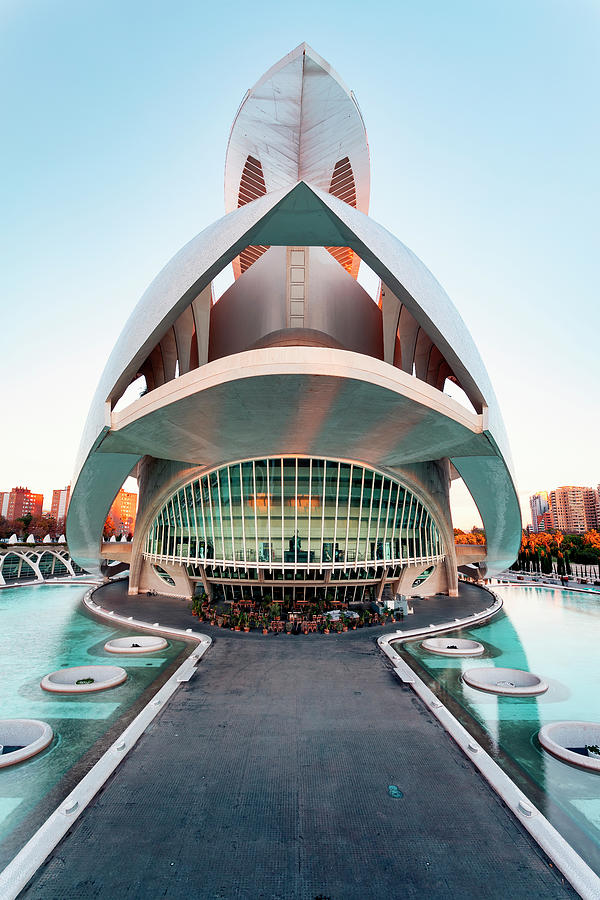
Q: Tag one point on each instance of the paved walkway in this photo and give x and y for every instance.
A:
(268, 776)
(177, 614)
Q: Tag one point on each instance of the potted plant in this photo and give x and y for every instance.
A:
(593, 750)
(265, 629)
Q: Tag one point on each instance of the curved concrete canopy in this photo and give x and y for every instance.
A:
(301, 215)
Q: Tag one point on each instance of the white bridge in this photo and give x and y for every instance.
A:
(36, 563)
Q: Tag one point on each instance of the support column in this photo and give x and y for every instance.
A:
(205, 582)
(201, 308)
(381, 585)
(390, 310)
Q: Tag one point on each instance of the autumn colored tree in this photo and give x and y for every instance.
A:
(109, 529)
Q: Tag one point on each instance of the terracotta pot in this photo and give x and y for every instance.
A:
(246, 628)
(265, 630)
(326, 631)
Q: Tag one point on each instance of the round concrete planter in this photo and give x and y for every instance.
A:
(64, 681)
(29, 736)
(513, 682)
(139, 643)
(559, 739)
(448, 646)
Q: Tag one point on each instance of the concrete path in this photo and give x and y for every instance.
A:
(268, 776)
(177, 614)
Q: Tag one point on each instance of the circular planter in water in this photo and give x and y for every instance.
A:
(568, 741)
(139, 643)
(448, 646)
(83, 679)
(514, 682)
(22, 738)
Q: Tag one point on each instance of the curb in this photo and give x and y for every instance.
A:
(25, 864)
(577, 872)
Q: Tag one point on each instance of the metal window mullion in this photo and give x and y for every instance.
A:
(170, 517)
(268, 461)
(362, 487)
(243, 502)
(394, 521)
(212, 518)
(296, 513)
(192, 489)
(405, 492)
(348, 515)
(217, 474)
(180, 526)
(337, 506)
(310, 462)
(255, 514)
(282, 513)
(387, 517)
(410, 505)
(204, 528)
(378, 520)
(370, 520)
(419, 531)
(323, 511)
(231, 516)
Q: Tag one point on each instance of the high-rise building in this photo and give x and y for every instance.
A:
(60, 503)
(296, 440)
(22, 501)
(123, 511)
(539, 506)
(4, 499)
(574, 509)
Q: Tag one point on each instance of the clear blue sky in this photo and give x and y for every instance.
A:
(485, 144)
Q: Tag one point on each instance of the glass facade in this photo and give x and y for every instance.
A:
(294, 514)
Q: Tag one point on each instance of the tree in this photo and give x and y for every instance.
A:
(109, 529)
(40, 526)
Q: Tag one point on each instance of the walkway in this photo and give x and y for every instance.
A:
(177, 614)
(268, 775)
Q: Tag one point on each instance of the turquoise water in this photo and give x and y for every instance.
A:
(43, 628)
(556, 634)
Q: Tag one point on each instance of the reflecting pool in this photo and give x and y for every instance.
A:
(556, 634)
(43, 628)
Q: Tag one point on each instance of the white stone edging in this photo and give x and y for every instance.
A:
(557, 849)
(28, 860)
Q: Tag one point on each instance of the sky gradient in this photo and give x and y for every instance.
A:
(484, 134)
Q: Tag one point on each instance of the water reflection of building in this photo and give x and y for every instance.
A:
(295, 435)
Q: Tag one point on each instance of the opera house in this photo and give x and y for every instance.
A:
(295, 435)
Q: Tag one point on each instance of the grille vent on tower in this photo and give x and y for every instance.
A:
(252, 185)
(344, 188)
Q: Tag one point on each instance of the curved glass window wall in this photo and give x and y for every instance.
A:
(294, 513)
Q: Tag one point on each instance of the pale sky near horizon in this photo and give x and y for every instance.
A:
(484, 134)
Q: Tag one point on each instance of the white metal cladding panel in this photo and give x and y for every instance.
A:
(296, 513)
(298, 121)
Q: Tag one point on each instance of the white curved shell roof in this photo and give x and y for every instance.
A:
(401, 420)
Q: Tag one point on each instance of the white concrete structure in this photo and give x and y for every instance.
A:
(138, 643)
(27, 736)
(294, 437)
(565, 739)
(513, 682)
(35, 563)
(448, 646)
(83, 679)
